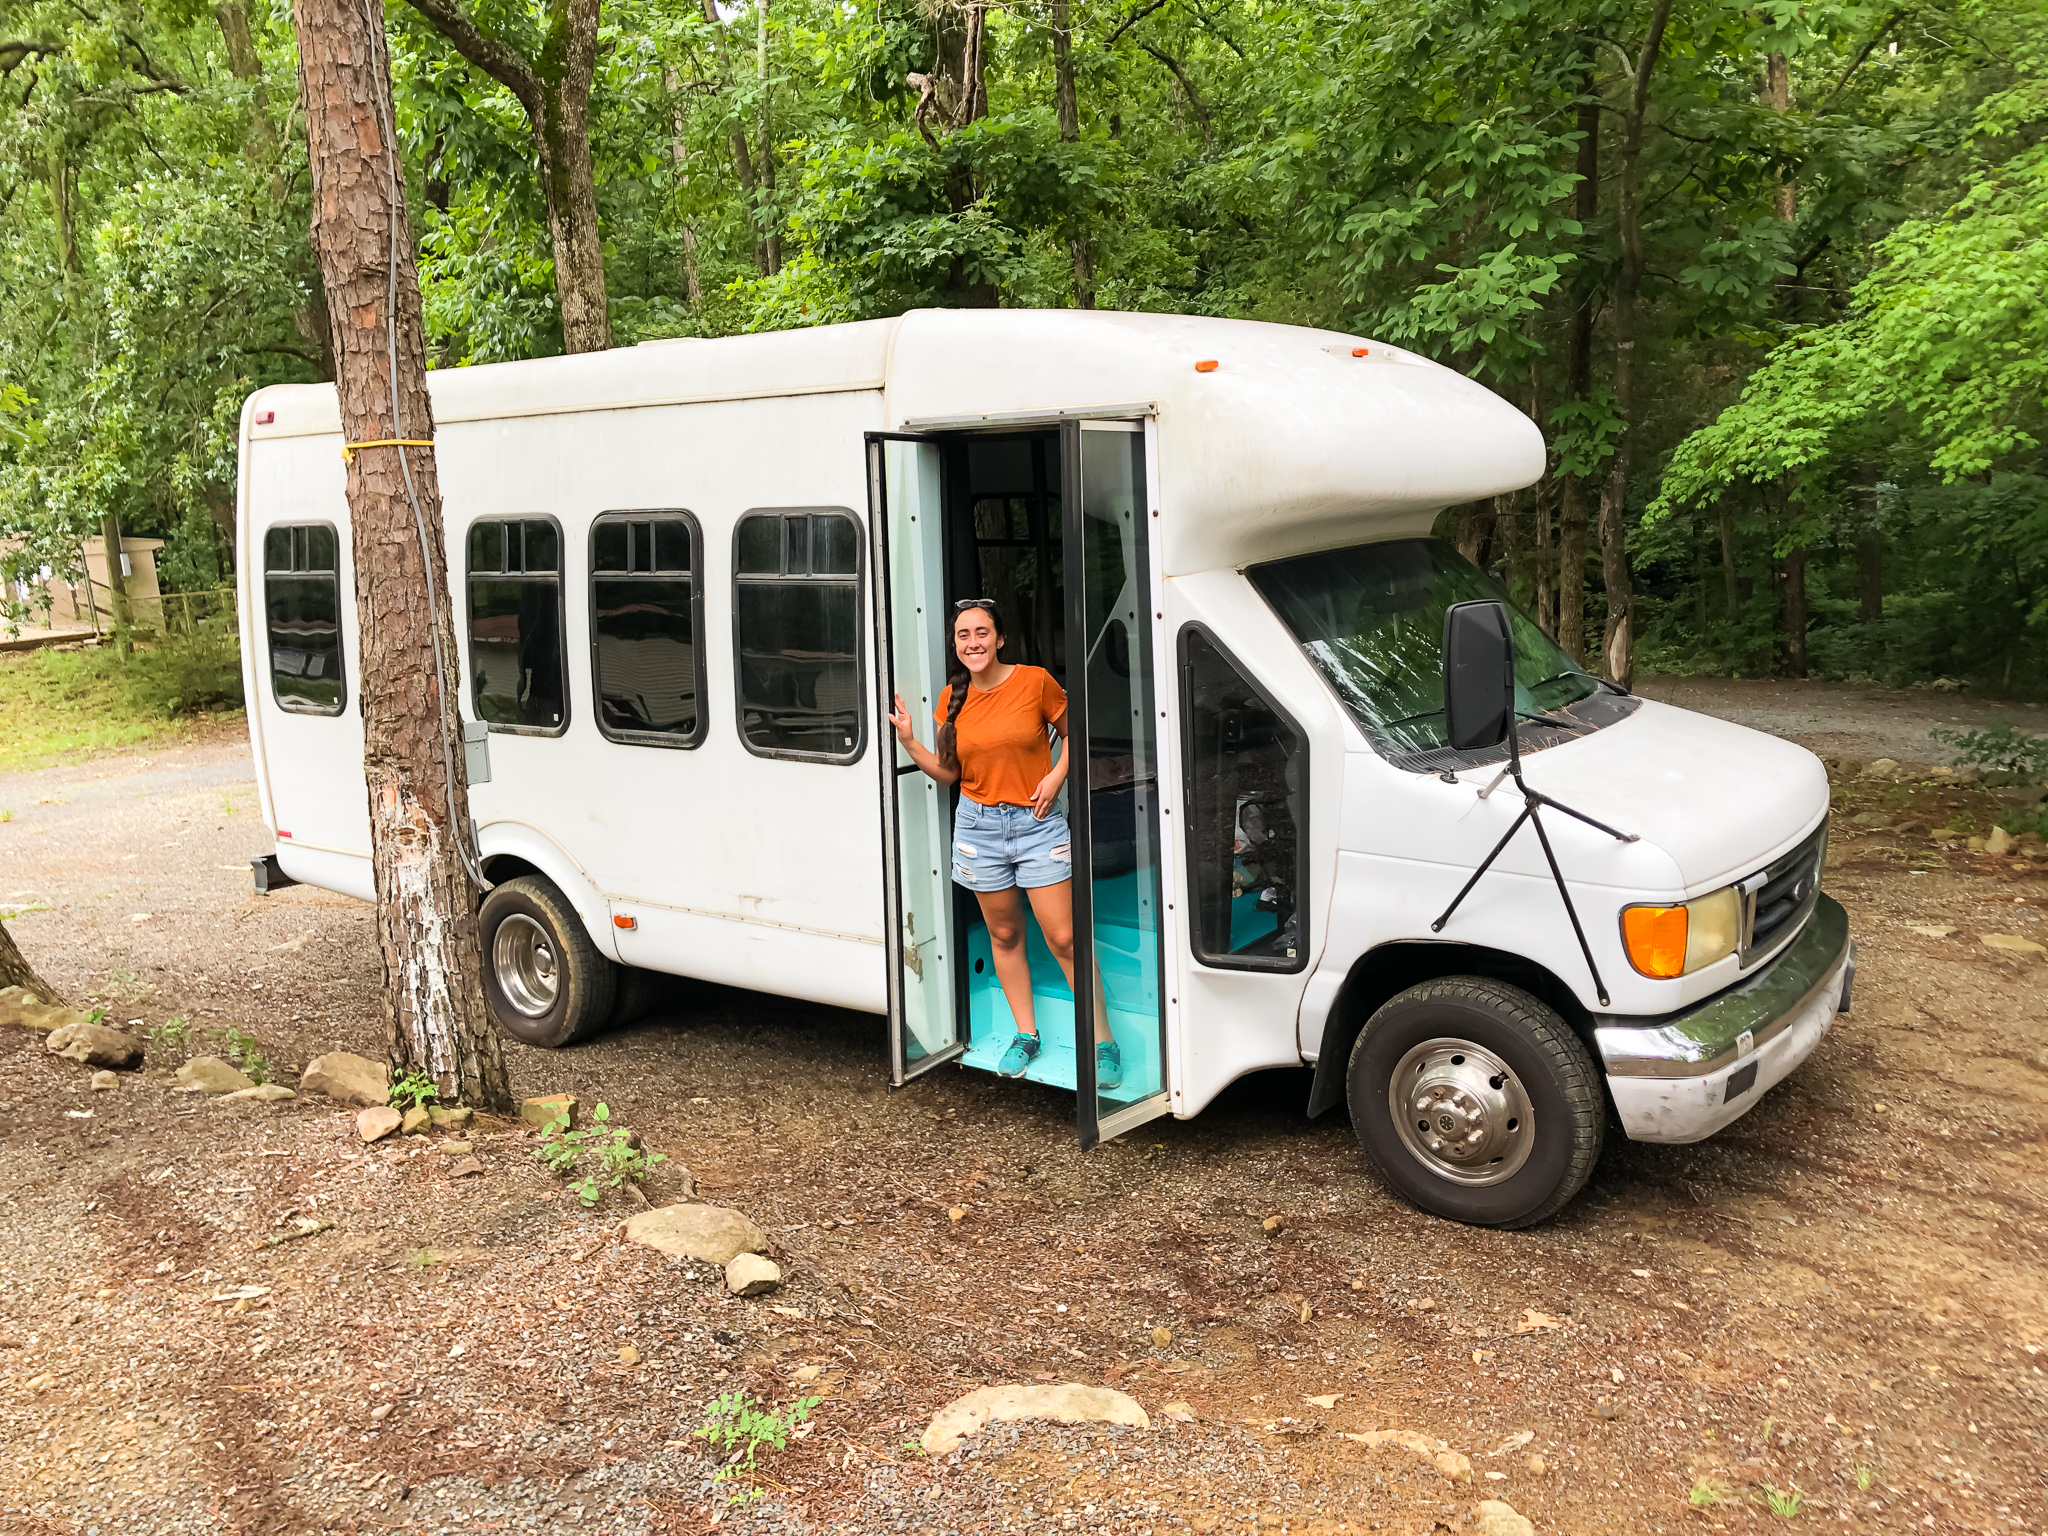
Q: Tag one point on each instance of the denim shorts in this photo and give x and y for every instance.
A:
(996, 847)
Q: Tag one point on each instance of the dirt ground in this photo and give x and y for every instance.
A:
(1836, 1306)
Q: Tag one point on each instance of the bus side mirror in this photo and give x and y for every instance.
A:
(1479, 675)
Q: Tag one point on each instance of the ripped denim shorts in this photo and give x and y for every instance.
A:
(996, 847)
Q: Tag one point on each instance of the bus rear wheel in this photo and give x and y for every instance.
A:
(1477, 1102)
(544, 981)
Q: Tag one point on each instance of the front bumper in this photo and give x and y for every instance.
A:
(1684, 1076)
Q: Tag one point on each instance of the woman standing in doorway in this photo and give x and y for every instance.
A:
(993, 741)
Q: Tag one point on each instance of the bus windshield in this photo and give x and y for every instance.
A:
(1371, 618)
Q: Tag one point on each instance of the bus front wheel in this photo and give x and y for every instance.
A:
(1476, 1101)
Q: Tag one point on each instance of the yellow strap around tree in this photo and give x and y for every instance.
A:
(348, 450)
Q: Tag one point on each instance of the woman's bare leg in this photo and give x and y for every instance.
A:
(1003, 911)
(1053, 906)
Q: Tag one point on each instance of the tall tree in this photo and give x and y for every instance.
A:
(1067, 108)
(1617, 576)
(419, 799)
(551, 78)
(15, 971)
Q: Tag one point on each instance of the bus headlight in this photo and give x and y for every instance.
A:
(1663, 942)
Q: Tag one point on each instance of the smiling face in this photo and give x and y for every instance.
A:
(976, 640)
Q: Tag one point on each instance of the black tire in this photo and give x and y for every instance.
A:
(544, 981)
(640, 992)
(1476, 1057)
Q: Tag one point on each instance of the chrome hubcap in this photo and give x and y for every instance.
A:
(1461, 1113)
(523, 956)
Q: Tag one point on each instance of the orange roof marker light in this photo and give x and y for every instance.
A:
(1361, 351)
(1207, 365)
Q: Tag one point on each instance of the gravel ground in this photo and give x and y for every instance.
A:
(1837, 1299)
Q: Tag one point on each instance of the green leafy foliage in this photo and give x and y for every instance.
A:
(412, 1090)
(607, 1155)
(2000, 747)
(738, 1427)
(172, 1034)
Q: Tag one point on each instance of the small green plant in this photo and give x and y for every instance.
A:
(1864, 1478)
(172, 1034)
(620, 1156)
(240, 1046)
(2000, 747)
(227, 804)
(97, 1016)
(6, 815)
(1783, 1502)
(413, 1090)
(739, 1427)
(1707, 1491)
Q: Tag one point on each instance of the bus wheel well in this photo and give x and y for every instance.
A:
(505, 866)
(1391, 969)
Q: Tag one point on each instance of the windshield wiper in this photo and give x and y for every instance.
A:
(1563, 724)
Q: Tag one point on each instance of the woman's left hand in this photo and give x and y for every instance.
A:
(1048, 791)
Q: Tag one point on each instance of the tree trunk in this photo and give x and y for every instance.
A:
(1725, 521)
(1571, 519)
(1507, 536)
(1699, 576)
(1870, 574)
(771, 234)
(1792, 613)
(1778, 97)
(118, 607)
(679, 150)
(1546, 556)
(553, 90)
(15, 971)
(1067, 105)
(1475, 531)
(61, 213)
(1616, 573)
(419, 801)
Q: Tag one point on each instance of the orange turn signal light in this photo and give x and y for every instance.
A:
(620, 920)
(1655, 940)
(1207, 365)
(1360, 351)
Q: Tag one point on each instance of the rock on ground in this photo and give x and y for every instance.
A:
(751, 1275)
(1069, 1403)
(445, 1118)
(264, 1093)
(709, 1232)
(97, 1045)
(1453, 1464)
(549, 1108)
(22, 1007)
(105, 1082)
(1496, 1518)
(347, 1079)
(416, 1119)
(377, 1122)
(209, 1074)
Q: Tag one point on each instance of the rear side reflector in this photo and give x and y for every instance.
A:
(1207, 365)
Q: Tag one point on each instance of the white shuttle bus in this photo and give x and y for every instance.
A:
(688, 576)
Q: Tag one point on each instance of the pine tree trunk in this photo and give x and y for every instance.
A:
(1792, 613)
(1870, 574)
(1067, 107)
(16, 971)
(1571, 514)
(771, 234)
(418, 800)
(679, 151)
(1724, 521)
(1546, 557)
(1616, 572)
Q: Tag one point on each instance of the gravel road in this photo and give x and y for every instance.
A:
(1836, 1303)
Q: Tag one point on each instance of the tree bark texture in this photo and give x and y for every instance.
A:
(1067, 107)
(553, 90)
(15, 971)
(1546, 556)
(118, 608)
(679, 150)
(1571, 516)
(1615, 570)
(1724, 522)
(1475, 531)
(1792, 613)
(426, 911)
(1870, 575)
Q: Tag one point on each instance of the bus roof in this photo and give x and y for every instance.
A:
(1293, 440)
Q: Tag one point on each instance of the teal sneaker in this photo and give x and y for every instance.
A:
(1109, 1065)
(1022, 1052)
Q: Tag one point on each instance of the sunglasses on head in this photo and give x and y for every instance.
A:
(986, 604)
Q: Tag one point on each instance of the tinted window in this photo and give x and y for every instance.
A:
(1371, 618)
(647, 664)
(302, 611)
(515, 624)
(1247, 791)
(796, 625)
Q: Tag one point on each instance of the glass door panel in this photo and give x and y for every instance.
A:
(904, 494)
(1113, 723)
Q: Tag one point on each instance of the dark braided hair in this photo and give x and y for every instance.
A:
(958, 678)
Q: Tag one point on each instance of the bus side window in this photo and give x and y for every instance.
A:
(515, 625)
(1247, 797)
(646, 611)
(302, 613)
(796, 633)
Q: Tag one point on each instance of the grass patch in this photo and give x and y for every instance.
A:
(59, 704)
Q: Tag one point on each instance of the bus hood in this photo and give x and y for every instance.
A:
(1720, 799)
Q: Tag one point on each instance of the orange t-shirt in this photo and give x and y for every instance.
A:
(1004, 750)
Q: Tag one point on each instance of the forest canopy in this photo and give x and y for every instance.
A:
(1770, 277)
